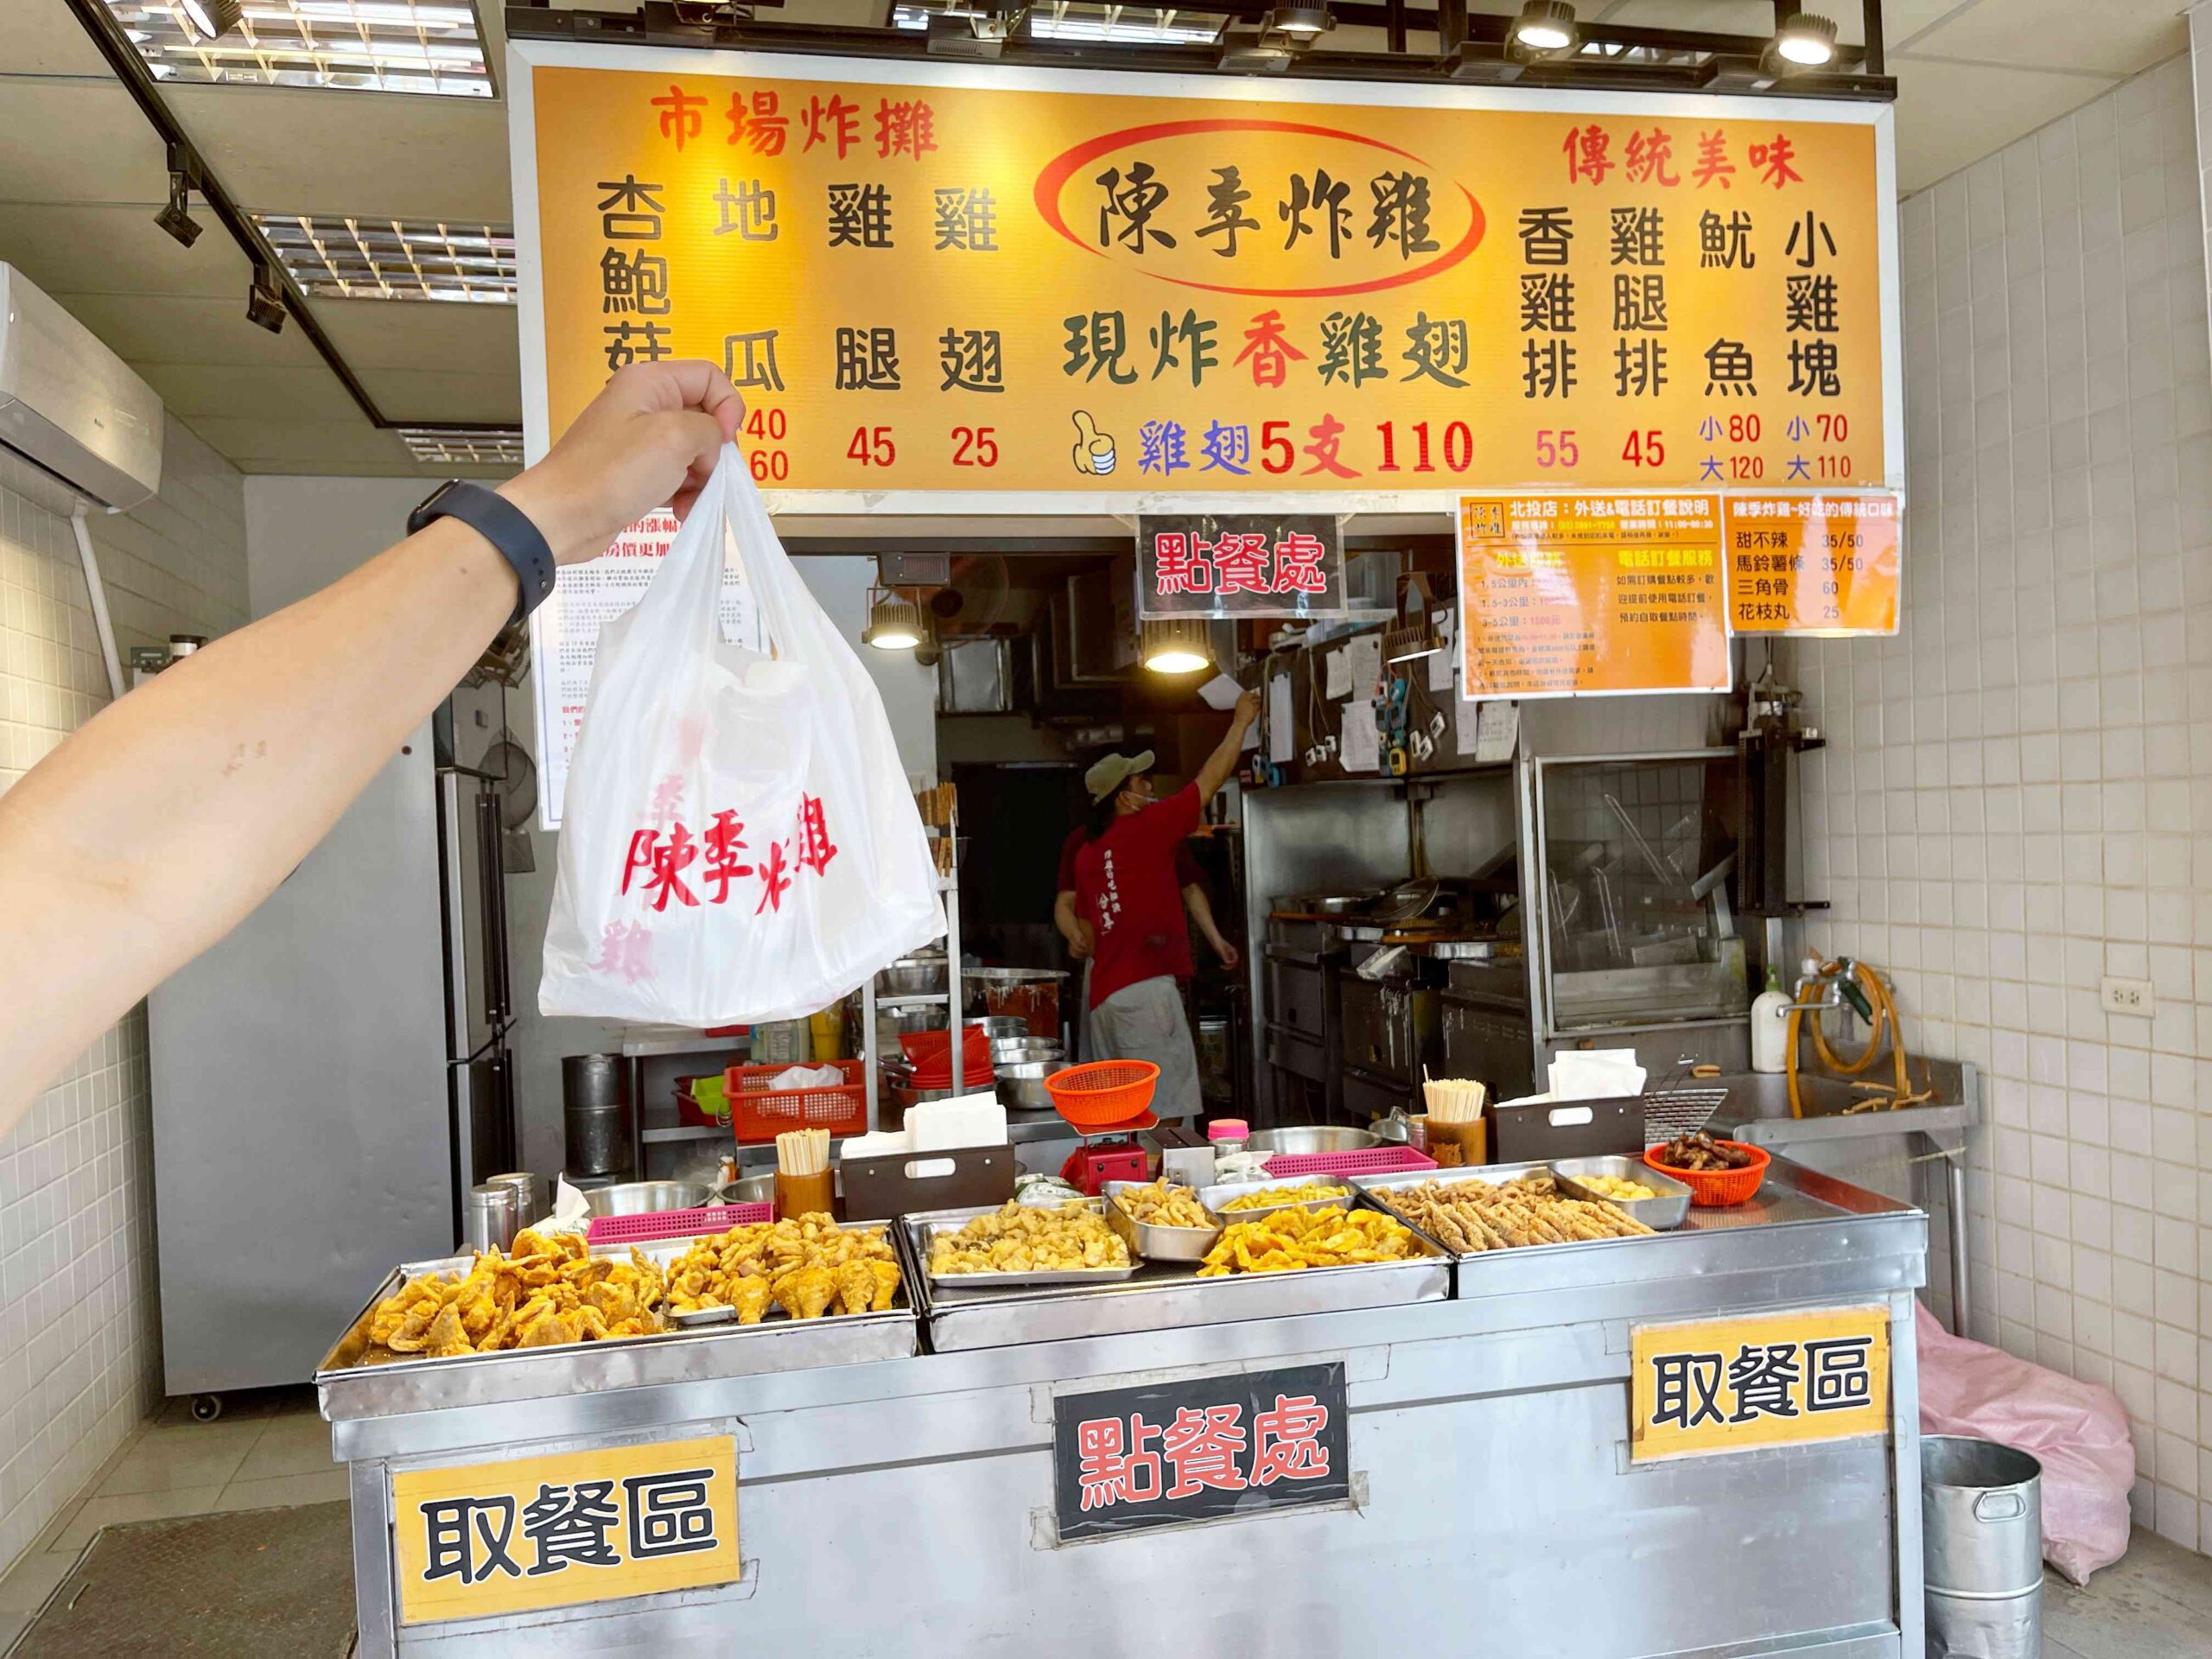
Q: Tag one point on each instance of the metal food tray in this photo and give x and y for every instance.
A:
(1376, 1189)
(1153, 1241)
(1214, 1197)
(1159, 1295)
(352, 1385)
(923, 1225)
(1666, 1212)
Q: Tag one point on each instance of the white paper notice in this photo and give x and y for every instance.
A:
(1364, 660)
(1282, 725)
(1337, 682)
(1442, 665)
(564, 639)
(1362, 751)
(1221, 691)
(1496, 727)
(1466, 724)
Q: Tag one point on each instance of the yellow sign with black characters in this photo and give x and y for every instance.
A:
(530, 1533)
(950, 278)
(1777, 1379)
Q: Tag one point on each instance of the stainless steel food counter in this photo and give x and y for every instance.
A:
(906, 1504)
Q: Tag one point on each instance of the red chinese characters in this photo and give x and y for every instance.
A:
(1132, 1461)
(1113, 1467)
(1287, 1441)
(1238, 561)
(659, 857)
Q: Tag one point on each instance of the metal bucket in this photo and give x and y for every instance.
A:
(1981, 1541)
(595, 1109)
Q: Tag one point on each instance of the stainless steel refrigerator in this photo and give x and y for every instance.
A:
(330, 1079)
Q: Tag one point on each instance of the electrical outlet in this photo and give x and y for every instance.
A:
(2127, 996)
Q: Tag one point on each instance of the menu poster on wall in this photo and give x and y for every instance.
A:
(564, 639)
(1244, 564)
(999, 281)
(1568, 595)
(1814, 564)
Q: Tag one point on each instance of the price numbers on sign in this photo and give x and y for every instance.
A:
(1813, 564)
(1732, 1385)
(1126, 1459)
(534, 1532)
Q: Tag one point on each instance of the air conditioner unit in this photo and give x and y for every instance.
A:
(71, 407)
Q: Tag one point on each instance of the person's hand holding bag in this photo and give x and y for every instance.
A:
(653, 435)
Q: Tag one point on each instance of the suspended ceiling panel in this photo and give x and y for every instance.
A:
(70, 250)
(381, 334)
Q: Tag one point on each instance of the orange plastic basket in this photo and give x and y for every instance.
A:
(1716, 1189)
(759, 1114)
(1104, 1092)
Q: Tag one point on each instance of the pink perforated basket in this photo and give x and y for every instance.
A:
(676, 1224)
(1369, 1160)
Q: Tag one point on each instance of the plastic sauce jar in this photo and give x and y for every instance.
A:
(1226, 1134)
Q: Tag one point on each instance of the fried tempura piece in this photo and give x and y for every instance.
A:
(855, 1287)
(750, 1298)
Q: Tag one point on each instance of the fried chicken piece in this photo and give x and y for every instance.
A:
(805, 1292)
(750, 1297)
(886, 1286)
(446, 1339)
(855, 1287)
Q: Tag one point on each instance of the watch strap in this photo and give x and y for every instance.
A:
(500, 523)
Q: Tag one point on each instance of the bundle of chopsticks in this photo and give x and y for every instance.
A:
(1454, 1100)
(802, 1152)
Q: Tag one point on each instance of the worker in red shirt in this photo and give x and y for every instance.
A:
(1128, 895)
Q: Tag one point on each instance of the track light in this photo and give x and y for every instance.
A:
(1545, 28)
(1177, 646)
(1303, 21)
(212, 19)
(176, 219)
(264, 300)
(1803, 41)
(894, 622)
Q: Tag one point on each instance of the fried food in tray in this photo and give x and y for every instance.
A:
(806, 1265)
(1701, 1151)
(1275, 1196)
(1615, 1188)
(1291, 1240)
(1156, 1204)
(1475, 1216)
(546, 1291)
(1019, 1238)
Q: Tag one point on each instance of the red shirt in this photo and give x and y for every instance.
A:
(1128, 889)
(1188, 873)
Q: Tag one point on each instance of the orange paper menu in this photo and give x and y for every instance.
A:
(1569, 594)
(1813, 564)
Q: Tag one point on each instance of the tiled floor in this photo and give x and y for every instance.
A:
(272, 1449)
(267, 1450)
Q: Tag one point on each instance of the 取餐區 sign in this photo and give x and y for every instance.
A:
(1778, 1379)
(935, 278)
(530, 1533)
(1124, 1460)
(1241, 565)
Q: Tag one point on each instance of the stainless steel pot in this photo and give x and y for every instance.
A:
(912, 976)
(1005, 1050)
(925, 1018)
(1021, 1085)
(488, 1219)
(999, 1028)
(748, 1189)
(1311, 1140)
(647, 1197)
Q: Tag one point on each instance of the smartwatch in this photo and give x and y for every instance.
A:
(501, 523)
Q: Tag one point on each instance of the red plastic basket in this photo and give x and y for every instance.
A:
(676, 1224)
(759, 1112)
(1368, 1161)
(925, 1047)
(1103, 1093)
(1716, 1189)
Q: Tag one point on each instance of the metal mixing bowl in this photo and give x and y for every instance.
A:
(1006, 1050)
(1021, 1085)
(646, 1198)
(1311, 1140)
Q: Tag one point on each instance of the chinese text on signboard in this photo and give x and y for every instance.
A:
(537, 1532)
(1248, 565)
(1124, 1460)
(1733, 1384)
(951, 282)
(1813, 564)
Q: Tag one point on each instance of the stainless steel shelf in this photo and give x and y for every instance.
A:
(687, 1132)
(661, 1047)
(915, 999)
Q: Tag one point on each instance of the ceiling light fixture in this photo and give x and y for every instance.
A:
(1803, 40)
(1302, 23)
(345, 257)
(264, 300)
(1545, 28)
(464, 446)
(212, 19)
(1177, 645)
(177, 218)
(894, 622)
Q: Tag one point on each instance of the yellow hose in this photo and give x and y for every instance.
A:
(1885, 1020)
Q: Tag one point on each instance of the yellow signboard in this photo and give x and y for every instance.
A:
(532, 1533)
(1813, 564)
(1777, 1379)
(941, 279)
(1581, 594)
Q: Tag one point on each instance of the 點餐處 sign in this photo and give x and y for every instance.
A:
(532, 1532)
(1242, 564)
(1771, 1379)
(1580, 595)
(936, 278)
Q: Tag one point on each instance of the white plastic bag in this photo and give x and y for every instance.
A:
(738, 841)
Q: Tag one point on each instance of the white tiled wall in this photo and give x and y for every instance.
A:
(2017, 797)
(79, 1358)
